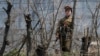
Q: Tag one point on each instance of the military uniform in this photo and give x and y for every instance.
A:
(64, 29)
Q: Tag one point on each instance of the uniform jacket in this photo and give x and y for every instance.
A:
(64, 29)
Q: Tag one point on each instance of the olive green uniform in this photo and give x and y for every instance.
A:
(64, 29)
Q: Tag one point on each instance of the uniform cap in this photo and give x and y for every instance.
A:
(67, 8)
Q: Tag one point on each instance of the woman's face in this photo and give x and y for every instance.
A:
(68, 12)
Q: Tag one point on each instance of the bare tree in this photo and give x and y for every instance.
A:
(7, 26)
(44, 36)
(29, 28)
(95, 25)
(86, 40)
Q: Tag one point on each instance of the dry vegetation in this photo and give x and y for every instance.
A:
(38, 30)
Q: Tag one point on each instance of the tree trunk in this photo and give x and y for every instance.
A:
(28, 25)
(7, 26)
